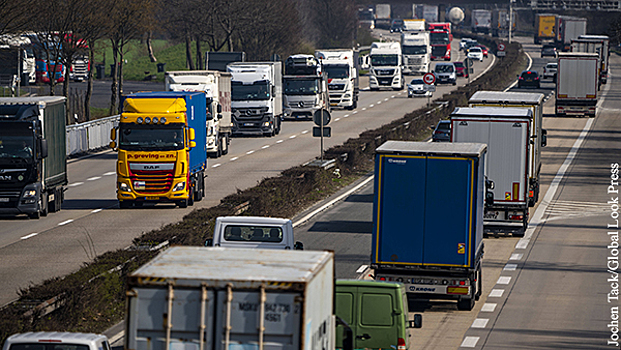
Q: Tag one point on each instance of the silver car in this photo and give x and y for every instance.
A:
(549, 71)
(418, 88)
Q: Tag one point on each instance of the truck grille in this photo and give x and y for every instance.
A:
(384, 81)
(151, 181)
(249, 113)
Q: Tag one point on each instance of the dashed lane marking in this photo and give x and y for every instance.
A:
(110, 173)
(93, 178)
(516, 256)
(488, 307)
(480, 323)
(29, 236)
(496, 293)
(76, 184)
(266, 146)
(250, 152)
(503, 280)
(234, 159)
(97, 210)
(469, 342)
(65, 222)
(510, 267)
(216, 165)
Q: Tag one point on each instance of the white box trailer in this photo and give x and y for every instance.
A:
(506, 131)
(217, 88)
(599, 44)
(228, 298)
(538, 135)
(577, 80)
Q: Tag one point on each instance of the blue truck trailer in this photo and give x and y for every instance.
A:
(428, 218)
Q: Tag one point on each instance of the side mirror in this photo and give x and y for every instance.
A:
(298, 246)
(192, 134)
(544, 138)
(489, 184)
(113, 134)
(489, 198)
(192, 144)
(112, 145)
(43, 148)
(219, 109)
(417, 322)
(209, 242)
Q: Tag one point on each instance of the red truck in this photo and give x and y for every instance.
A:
(440, 38)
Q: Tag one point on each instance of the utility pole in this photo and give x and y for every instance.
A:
(510, 18)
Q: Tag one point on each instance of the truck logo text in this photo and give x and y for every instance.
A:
(6, 177)
(422, 289)
(397, 161)
(151, 156)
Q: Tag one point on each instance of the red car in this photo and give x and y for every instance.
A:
(460, 69)
(484, 49)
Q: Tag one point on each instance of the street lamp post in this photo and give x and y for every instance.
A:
(510, 18)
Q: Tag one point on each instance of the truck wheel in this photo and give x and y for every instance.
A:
(44, 204)
(465, 304)
(125, 204)
(182, 203)
(479, 285)
(34, 215)
(225, 144)
(54, 205)
(198, 194)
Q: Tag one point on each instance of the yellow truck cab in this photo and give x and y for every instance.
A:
(377, 313)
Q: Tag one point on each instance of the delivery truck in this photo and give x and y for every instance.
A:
(230, 298)
(544, 27)
(382, 16)
(566, 29)
(342, 68)
(33, 155)
(481, 21)
(413, 242)
(538, 135)
(577, 82)
(599, 44)
(217, 88)
(162, 151)
(256, 98)
(506, 131)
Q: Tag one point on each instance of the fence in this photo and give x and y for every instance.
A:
(90, 136)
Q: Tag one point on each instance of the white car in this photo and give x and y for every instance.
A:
(549, 70)
(463, 44)
(475, 53)
(418, 88)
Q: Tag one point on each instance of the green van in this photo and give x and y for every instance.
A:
(376, 311)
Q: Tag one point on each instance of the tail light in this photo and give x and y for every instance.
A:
(531, 194)
(516, 217)
(401, 344)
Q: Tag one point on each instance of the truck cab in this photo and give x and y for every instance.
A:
(253, 232)
(341, 67)
(305, 87)
(416, 52)
(386, 66)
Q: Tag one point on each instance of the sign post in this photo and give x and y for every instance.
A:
(429, 79)
(321, 117)
(501, 50)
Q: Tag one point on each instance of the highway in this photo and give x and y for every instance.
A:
(548, 290)
(91, 223)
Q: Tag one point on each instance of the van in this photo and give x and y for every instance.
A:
(254, 232)
(377, 313)
(445, 72)
(56, 340)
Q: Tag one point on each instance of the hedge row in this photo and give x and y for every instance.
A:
(93, 298)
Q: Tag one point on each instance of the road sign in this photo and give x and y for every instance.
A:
(431, 88)
(321, 117)
(501, 47)
(429, 78)
(501, 53)
(327, 131)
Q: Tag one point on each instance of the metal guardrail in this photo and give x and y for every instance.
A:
(90, 136)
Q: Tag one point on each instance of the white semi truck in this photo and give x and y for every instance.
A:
(506, 131)
(341, 67)
(217, 87)
(230, 298)
(386, 66)
(599, 44)
(256, 98)
(577, 81)
(416, 50)
(305, 87)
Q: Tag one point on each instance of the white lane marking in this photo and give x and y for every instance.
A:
(379, 103)
(496, 293)
(503, 280)
(110, 173)
(28, 236)
(547, 199)
(362, 268)
(93, 178)
(96, 210)
(364, 109)
(266, 146)
(510, 267)
(516, 256)
(354, 112)
(305, 132)
(371, 105)
(480, 323)
(337, 119)
(75, 184)
(393, 96)
(488, 307)
(469, 342)
(216, 165)
(386, 99)
(279, 141)
(346, 115)
(250, 152)
(292, 136)
(65, 222)
(234, 159)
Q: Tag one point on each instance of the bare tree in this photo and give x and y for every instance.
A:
(15, 15)
(336, 22)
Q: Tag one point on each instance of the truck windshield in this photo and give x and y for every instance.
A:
(259, 90)
(439, 38)
(137, 137)
(414, 50)
(52, 346)
(438, 51)
(302, 87)
(16, 141)
(384, 60)
(337, 71)
(444, 68)
(253, 233)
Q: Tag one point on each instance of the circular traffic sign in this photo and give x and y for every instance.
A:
(501, 47)
(429, 78)
(321, 117)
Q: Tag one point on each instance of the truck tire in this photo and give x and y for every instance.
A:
(125, 204)
(225, 143)
(465, 304)
(200, 185)
(182, 203)
(44, 204)
(479, 284)
(54, 205)
(34, 215)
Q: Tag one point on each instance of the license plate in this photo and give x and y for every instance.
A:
(334, 104)
(248, 124)
(152, 198)
(4, 200)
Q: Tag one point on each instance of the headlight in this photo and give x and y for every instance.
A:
(123, 187)
(30, 194)
(179, 187)
(139, 120)
(266, 124)
(347, 96)
(163, 120)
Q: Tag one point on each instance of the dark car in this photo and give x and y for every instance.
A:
(396, 26)
(528, 78)
(442, 132)
(460, 69)
(548, 50)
